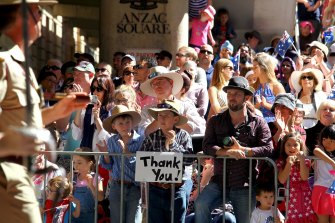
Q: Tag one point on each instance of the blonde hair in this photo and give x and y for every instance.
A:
(218, 79)
(62, 184)
(189, 52)
(268, 65)
(123, 89)
(327, 103)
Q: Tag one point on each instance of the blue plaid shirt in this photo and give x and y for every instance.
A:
(114, 166)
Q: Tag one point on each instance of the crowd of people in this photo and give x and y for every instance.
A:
(259, 105)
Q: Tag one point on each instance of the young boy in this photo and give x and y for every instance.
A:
(264, 210)
(169, 138)
(126, 140)
(59, 200)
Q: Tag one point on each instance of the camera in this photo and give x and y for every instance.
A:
(93, 99)
(228, 141)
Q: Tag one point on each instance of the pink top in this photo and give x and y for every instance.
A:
(199, 32)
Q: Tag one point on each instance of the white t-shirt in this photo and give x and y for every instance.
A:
(265, 216)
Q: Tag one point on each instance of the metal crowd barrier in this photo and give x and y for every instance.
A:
(197, 157)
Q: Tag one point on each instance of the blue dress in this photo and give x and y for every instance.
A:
(270, 98)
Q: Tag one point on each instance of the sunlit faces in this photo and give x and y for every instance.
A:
(82, 78)
(82, 165)
(141, 72)
(256, 68)
(284, 111)
(162, 85)
(327, 114)
(292, 146)
(123, 125)
(286, 67)
(307, 80)
(236, 99)
(97, 90)
(166, 120)
(181, 58)
(225, 53)
(252, 79)
(266, 200)
(328, 144)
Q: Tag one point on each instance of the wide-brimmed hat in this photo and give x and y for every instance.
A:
(295, 78)
(320, 46)
(255, 34)
(85, 66)
(158, 72)
(240, 83)
(210, 11)
(117, 111)
(40, 2)
(168, 105)
(286, 99)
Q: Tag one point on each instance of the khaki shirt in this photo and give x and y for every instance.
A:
(13, 100)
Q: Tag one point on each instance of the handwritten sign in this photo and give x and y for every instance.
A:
(165, 167)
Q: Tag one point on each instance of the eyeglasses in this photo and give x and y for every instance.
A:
(99, 89)
(138, 67)
(100, 69)
(307, 77)
(127, 73)
(120, 101)
(206, 52)
(54, 67)
(180, 55)
(229, 68)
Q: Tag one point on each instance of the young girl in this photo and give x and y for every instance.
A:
(85, 186)
(292, 165)
(58, 201)
(323, 198)
(264, 211)
(201, 28)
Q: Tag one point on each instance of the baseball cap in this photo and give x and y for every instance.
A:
(85, 66)
(128, 56)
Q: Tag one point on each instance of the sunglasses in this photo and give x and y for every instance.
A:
(180, 55)
(138, 67)
(47, 67)
(206, 52)
(127, 73)
(229, 68)
(99, 89)
(307, 77)
(100, 69)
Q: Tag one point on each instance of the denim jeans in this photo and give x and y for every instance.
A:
(160, 203)
(131, 203)
(211, 197)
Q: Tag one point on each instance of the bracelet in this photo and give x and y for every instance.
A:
(246, 151)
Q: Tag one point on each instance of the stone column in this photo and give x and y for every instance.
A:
(142, 28)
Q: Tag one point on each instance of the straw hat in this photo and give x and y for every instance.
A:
(117, 111)
(295, 78)
(168, 105)
(158, 72)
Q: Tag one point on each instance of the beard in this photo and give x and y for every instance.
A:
(235, 107)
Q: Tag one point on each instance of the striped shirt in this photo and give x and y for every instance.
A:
(115, 161)
(195, 6)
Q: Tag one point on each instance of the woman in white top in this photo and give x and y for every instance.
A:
(223, 71)
(308, 87)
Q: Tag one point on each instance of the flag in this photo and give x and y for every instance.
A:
(236, 60)
(328, 35)
(284, 44)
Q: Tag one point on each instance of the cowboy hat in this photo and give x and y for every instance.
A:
(168, 105)
(117, 111)
(158, 72)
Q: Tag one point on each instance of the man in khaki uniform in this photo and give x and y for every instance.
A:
(17, 200)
